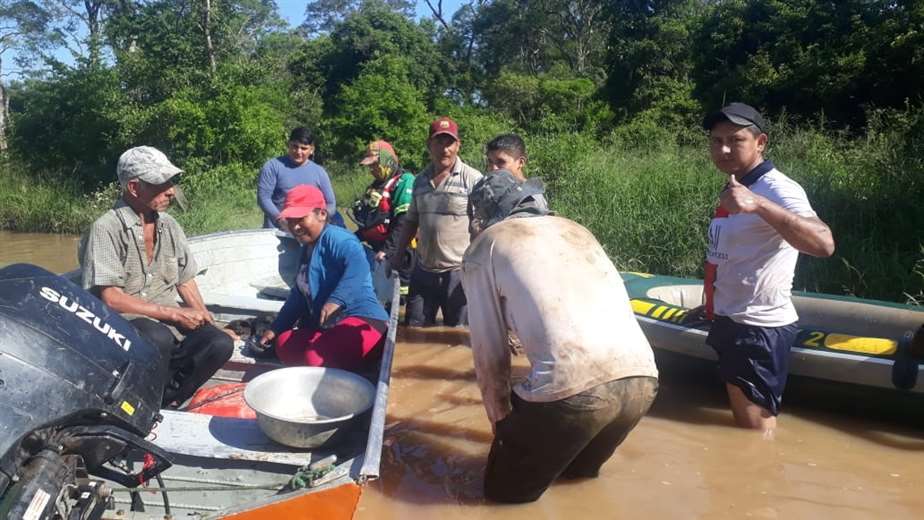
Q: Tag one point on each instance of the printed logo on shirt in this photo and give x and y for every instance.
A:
(717, 251)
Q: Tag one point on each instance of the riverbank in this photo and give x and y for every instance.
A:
(647, 199)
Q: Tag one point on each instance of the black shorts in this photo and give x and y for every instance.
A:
(755, 359)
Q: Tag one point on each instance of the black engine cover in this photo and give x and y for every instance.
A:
(67, 359)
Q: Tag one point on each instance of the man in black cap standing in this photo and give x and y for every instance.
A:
(763, 221)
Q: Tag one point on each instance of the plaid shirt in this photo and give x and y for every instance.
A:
(112, 254)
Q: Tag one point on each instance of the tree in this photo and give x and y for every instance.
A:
(76, 123)
(372, 32)
(163, 46)
(650, 61)
(322, 16)
(382, 103)
(24, 28)
(809, 56)
(538, 35)
(547, 103)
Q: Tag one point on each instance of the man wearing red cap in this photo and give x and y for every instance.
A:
(438, 214)
(331, 317)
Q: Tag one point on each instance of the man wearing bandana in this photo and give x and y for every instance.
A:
(385, 203)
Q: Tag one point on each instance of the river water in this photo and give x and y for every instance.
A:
(837, 452)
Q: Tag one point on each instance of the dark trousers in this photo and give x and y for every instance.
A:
(571, 438)
(430, 292)
(189, 363)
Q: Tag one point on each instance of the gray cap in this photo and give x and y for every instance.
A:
(498, 194)
(146, 163)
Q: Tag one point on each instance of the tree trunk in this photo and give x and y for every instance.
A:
(4, 115)
(206, 26)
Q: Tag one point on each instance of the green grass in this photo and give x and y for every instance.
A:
(648, 201)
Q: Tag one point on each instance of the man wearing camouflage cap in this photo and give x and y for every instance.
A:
(544, 283)
(136, 260)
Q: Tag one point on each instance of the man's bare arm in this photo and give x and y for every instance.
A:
(807, 234)
(124, 303)
(189, 293)
(405, 233)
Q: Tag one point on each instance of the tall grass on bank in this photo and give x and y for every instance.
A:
(650, 207)
(47, 203)
(217, 199)
(647, 199)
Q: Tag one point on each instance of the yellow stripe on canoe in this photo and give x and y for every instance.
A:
(816, 339)
(875, 346)
(642, 307)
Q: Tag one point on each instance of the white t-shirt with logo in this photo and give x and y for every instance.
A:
(755, 266)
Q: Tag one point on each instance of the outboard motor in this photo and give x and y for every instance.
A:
(79, 390)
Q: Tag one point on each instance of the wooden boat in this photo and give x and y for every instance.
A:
(226, 467)
(842, 339)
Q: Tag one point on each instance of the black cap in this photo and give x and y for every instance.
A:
(737, 113)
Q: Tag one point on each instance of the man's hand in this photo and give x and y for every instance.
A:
(494, 424)
(737, 198)
(393, 263)
(267, 337)
(327, 311)
(189, 319)
(694, 315)
(380, 256)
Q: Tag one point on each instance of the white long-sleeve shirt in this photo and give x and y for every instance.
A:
(548, 281)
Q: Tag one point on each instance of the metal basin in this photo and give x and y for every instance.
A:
(308, 407)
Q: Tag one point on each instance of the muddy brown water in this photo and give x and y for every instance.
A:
(838, 452)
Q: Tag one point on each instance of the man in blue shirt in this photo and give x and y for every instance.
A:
(281, 174)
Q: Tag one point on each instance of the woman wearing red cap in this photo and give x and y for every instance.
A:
(340, 323)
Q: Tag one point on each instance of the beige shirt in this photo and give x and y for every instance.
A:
(112, 254)
(548, 281)
(442, 215)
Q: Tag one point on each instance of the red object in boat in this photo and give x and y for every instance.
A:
(222, 400)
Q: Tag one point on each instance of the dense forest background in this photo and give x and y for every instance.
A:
(608, 94)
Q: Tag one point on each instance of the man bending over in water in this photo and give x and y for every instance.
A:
(547, 281)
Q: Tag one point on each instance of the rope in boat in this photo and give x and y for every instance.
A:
(274, 487)
(211, 481)
(196, 507)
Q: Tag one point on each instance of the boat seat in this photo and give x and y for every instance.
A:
(272, 286)
(199, 435)
(242, 302)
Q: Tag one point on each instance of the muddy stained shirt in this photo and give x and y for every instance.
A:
(755, 266)
(441, 213)
(548, 281)
(112, 253)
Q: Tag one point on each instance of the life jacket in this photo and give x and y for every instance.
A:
(373, 211)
